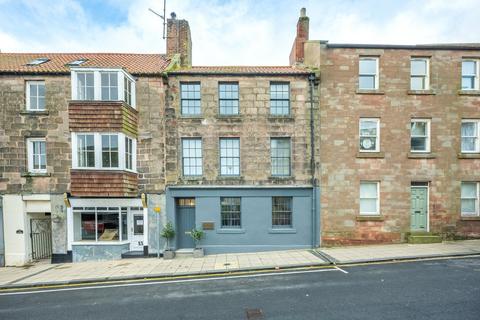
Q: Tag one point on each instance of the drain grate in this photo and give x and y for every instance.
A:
(254, 314)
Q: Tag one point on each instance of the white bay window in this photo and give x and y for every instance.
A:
(103, 84)
(104, 151)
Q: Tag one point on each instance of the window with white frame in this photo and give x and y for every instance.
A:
(109, 82)
(192, 156)
(190, 99)
(420, 135)
(368, 73)
(229, 156)
(419, 74)
(279, 98)
(280, 153)
(128, 153)
(469, 199)
(104, 151)
(470, 74)
(470, 133)
(35, 95)
(228, 98)
(109, 151)
(98, 224)
(103, 84)
(282, 212)
(37, 155)
(85, 86)
(230, 212)
(369, 198)
(369, 135)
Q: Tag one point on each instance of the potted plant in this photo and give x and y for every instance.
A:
(197, 235)
(168, 233)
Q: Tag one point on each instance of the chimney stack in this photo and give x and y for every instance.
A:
(297, 55)
(179, 40)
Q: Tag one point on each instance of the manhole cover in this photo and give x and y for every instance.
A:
(254, 313)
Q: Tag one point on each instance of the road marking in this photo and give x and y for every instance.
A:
(340, 269)
(171, 281)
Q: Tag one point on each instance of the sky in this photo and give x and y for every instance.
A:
(230, 32)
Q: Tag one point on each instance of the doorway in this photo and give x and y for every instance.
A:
(419, 206)
(185, 221)
(137, 225)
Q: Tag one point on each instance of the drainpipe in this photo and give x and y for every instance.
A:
(311, 81)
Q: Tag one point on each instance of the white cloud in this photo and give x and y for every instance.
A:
(237, 32)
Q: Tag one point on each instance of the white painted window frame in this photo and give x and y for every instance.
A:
(377, 212)
(376, 74)
(97, 81)
(97, 137)
(477, 200)
(30, 161)
(476, 85)
(183, 157)
(377, 140)
(426, 76)
(428, 144)
(27, 95)
(477, 136)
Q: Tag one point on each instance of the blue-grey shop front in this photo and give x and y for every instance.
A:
(239, 219)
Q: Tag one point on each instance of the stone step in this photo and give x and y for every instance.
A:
(424, 237)
(184, 253)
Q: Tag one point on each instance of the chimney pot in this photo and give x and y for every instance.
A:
(303, 12)
(173, 15)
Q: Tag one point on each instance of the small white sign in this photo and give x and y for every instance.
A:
(139, 222)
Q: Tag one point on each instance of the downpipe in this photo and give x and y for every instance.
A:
(311, 80)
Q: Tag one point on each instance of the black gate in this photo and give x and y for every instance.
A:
(41, 235)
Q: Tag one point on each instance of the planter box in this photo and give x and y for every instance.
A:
(198, 253)
(168, 254)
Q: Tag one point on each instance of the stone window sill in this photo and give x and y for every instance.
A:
(281, 177)
(378, 155)
(231, 231)
(421, 155)
(192, 178)
(34, 113)
(421, 92)
(231, 118)
(469, 92)
(35, 174)
(469, 156)
(230, 178)
(370, 218)
(465, 218)
(281, 118)
(191, 117)
(374, 92)
(282, 230)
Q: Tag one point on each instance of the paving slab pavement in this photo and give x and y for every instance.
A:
(43, 274)
(371, 253)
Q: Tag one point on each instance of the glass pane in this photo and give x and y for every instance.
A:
(418, 144)
(469, 68)
(124, 227)
(107, 226)
(368, 190)
(469, 129)
(469, 190)
(469, 144)
(88, 226)
(33, 103)
(468, 206)
(468, 82)
(418, 128)
(417, 83)
(368, 128)
(368, 205)
(41, 90)
(368, 66)
(105, 79)
(366, 82)
(137, 225)
(41, 103)
(418, 67)
(105, 93)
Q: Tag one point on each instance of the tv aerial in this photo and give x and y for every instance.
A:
(161, 16)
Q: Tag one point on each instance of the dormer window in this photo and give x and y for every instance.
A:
(103, 84)
(37, 61)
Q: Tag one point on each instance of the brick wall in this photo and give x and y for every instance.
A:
(342, 170)
(254, 126)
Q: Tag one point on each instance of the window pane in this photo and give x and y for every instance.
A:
(368, 205)
(107, 226)
(468, 82)
(469, 190)
(469, 206)
(417, 83)
(192, 157)
(418, 67)
(366, 82)
(418, 144)
(469, 68)
(88, 226)
(368, 66)
(281, 212)
(469, 144)
(368, 128)
(418, 128)
(469, 129)
(230, 212)
(368, 190)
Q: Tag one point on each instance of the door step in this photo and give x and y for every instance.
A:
(133, 255)
(184, 253)
(424, 237)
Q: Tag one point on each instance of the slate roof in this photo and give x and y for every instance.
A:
(234, 70)
(134, 63)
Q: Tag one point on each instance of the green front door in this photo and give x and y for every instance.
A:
(419, 209)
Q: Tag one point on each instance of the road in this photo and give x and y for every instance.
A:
(434, 289)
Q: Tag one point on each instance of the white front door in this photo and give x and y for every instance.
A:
(136, 225)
